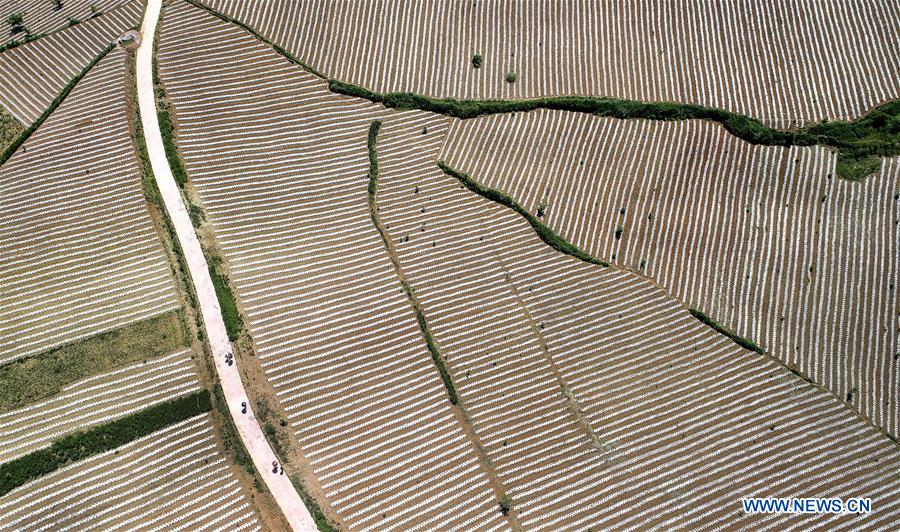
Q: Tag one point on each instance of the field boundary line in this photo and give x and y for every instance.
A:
(506, 504)
(503, 199)
(859, 143)
(249, 430)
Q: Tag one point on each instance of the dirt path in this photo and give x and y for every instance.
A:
(250, 432)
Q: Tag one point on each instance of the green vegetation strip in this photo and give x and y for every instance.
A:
(546, 234)
(420, 315)
(739, 340)
(859, 143)
(10, 128)
(11, 149)
(83, 444)
(227, 301)
(43, 375)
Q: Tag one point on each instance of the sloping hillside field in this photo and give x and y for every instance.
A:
(449, 265)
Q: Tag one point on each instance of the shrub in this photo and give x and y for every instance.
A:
(476, 60)
(15, 22)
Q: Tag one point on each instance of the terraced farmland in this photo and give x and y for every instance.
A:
(173, 479)
(763, 239)
(600, 399)
(32, 75)
(40, 17)
(331, 325)
(79, 251)
(788, 62)
(96, 400)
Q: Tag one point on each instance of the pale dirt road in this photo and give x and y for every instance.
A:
(248, 427)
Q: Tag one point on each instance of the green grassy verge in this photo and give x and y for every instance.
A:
(43, 375)
(420, 316)
(877, 134)
(23, 136)
(10, 128)
(549, 236)
(739, 340)
(83, 444)
(227, 301)
(167, 130)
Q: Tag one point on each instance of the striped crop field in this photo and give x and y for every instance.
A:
(33, 74)
(785, 62)
(599, 399)
(173, 479)
(79, 252)
(42, 16)
(763, 239)
(280, 166)
(96, 400)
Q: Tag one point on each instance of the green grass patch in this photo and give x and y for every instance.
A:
(739, 340)
(23, 136)
(43, 375)
(877, 134)
(83, 444)
(227, 301)
(167, 130)
(546, 234)
(10, 128)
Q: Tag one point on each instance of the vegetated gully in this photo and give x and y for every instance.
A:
(859, 143)
(459, 412)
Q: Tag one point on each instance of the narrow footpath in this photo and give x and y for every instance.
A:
(248, 428)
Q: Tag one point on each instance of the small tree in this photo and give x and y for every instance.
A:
(57, 4)
(476, 60)
(542, 208)
(15, 22)
(511, 77)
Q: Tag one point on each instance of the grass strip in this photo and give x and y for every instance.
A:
(739, 340)
(43, 375)
(549, 236)
(877, 134)
(227, 301)
(420, 315)
(10, 128)
(85, 443)
(14, 145)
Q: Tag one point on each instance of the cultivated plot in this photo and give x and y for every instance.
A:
(33, 74)
(766, 240)
(79, 251)
(40, 16)
(599, 398)
(173, 479)
(787, 63)
(280, 165)
(96, 400)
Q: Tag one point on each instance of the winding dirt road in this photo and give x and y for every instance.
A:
(247, 425)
